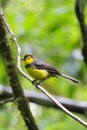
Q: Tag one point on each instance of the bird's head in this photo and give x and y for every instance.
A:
(28, 59)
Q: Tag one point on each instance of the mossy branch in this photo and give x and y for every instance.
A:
(10, 67)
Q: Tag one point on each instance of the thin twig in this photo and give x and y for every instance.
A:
(30, 79)
(7, 101)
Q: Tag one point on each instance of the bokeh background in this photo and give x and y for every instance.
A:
(49, 30)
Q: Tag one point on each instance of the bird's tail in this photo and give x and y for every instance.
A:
(70, 78)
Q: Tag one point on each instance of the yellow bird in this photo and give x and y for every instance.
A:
(41, 71)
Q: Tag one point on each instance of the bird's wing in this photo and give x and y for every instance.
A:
(42, 65)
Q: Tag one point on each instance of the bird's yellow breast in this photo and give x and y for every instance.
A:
(37, 73)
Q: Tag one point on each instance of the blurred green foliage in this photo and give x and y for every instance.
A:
(49, 30)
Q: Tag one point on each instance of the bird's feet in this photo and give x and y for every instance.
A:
(34, 82)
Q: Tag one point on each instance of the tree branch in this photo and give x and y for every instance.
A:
(10, 67)
(41, 99)
(81, 19)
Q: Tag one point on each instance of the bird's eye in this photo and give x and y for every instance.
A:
(28, 57)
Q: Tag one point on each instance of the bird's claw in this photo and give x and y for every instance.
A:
(34, 82)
